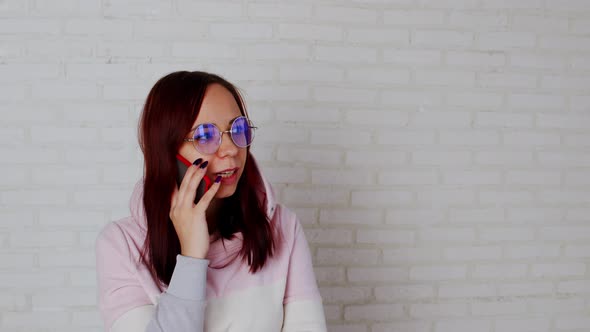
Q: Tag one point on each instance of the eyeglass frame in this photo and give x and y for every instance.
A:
(192, 139)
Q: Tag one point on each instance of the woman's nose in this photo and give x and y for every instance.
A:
(227, 146)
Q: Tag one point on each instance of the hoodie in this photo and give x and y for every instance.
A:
(214, 294)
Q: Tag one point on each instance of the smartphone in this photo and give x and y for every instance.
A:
(183, 165)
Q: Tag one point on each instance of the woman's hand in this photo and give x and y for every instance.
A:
(189, 219)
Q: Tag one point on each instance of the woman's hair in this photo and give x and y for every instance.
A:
(169, 112)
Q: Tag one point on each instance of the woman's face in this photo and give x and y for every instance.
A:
(220, 108)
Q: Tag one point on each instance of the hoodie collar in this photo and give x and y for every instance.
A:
(138, 213)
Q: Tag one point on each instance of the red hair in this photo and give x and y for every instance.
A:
(170, 109)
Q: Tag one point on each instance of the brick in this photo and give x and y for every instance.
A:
(64, 297)
(381, 198)
(499, 271)
(329, 236)
(410, 255)
(381, 236)
(378, 76)
(468, 177)
(413, 217)
(280, 11)
(507, 234)
(310, 31)
(380, 36)
(507, 80)
(423, 98)
(526, 289)
(36, 197)
(278, 93)
(368, 117)
(51, 259)
(209, 9)
(37, 26)
(533, 177)
(442, 38)
(335, 256)
(523, 324)
(458, 325)
(39, 319)
(476, 58)
(315, 197)
(405, 137)
(404, 292)
(466, 291)
(51, 175)
(340, 137)
(275, 51)
(345, 54)
(433, 310)
(479, 20)
(446, 272)
(330, 275)
(505, 198)
(500, 40)
(338, 177)
(373, 312)
(531, 60)
(558, 270)
(375, 158)
(344, 14)
(401, 177)
(479, 253)
(444, 78)
(345, 294)
(41, 239)
(307, 156)
(350, 216)
(413, 17)
(384, 274)
(441, 157)
(493, 308)
(314, 73)
(204, 50)
(412, 57)
(258, 31)
(111, 29)
(515, 158)
(528, 138)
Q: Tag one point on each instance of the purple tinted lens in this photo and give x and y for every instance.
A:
(241, 133)
(207, 138)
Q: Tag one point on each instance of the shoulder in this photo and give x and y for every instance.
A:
(288, 222)
(118, 238)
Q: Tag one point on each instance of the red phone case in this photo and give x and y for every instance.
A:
(203, 186)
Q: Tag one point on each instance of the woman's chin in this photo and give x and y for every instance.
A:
(225, 192)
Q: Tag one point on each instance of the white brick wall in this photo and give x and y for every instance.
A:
(436, 151)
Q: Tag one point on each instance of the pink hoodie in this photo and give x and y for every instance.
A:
(283, 296)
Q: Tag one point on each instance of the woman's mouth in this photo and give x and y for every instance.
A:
(229, 176)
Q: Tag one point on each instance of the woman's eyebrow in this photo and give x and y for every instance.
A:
(229, 122)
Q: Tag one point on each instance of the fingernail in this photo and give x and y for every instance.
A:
(203, 165)
(218, 178)
(198, 161)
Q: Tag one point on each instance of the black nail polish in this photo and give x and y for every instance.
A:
(198, 161)
(218, 178)
(203, 165)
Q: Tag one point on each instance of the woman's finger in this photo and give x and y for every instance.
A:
(191, 170)
(174, 197)
(208, 196)
(189, 197)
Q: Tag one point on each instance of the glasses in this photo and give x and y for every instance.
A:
(207, 137)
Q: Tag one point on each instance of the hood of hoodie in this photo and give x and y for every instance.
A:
(136, 206)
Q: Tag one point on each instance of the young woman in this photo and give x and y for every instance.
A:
(235, 261)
